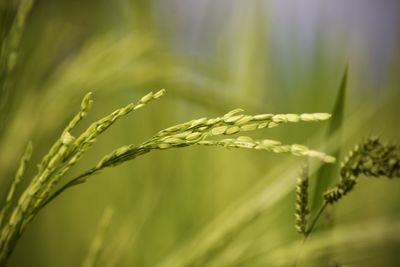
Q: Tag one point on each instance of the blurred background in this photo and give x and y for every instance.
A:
(205, 206)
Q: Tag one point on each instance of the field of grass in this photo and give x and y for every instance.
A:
(266, 102)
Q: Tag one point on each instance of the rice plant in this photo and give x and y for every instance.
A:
(245, 183)
(68, 150)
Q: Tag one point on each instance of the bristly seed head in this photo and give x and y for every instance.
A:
(370, 158)
(302, 208)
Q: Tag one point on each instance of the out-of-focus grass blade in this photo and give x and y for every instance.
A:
(98, 244)
(367, 241)
(329, 171)
(9, 53)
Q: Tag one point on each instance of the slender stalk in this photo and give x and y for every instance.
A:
(316, 218)
(309, 231)
(73, 182)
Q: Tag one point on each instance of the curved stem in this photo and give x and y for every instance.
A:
(75, 181)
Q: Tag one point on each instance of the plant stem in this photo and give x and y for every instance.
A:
(75, 181)
(316, 218)
(310, 229)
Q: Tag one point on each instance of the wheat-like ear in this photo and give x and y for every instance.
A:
(66, 139)
(16, 181)
(302, 208)
(10, 45)
(65, 153)
(68, 150)
(79, 146)
(369, 158)
(199, 132)
(9, 53)
(268, 145)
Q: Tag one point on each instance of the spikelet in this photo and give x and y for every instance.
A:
(232, 123)
(302, 208)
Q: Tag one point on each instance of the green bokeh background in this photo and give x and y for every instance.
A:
(168, 204)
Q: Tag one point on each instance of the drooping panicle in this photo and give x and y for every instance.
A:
(370, 158)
